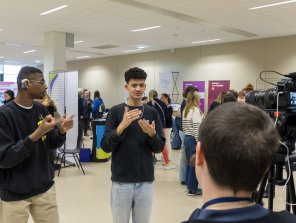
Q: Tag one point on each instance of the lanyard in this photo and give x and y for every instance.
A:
(225, 200)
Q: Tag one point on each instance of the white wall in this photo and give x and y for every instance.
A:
(240, 62)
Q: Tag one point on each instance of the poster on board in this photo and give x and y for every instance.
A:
(215, 87)
(57, 90)
(165, 83)
(63, 89)
(200, 85)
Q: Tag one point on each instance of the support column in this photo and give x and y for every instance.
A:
(54, 52)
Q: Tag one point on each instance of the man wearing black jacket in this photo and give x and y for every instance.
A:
(133, 132)
(27, 134)
(237, 142)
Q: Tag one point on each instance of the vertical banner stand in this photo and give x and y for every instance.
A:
(175, 92)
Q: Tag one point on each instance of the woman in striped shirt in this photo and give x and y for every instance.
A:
(191, 119)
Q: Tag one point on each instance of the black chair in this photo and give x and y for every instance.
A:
(69, 152)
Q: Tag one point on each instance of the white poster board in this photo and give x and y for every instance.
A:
(165, 83)
(71, 106)
(57, 90)
(63, 89)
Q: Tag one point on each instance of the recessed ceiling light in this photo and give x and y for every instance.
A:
(127, 51)
(10, 61)
(271, 5)
(205, 41)
(142, 46)
(82, 57)
(13, 44)
(53, 10)
(80, 41)
(143, 29)
(30, 51)
(37, 61)
(1, 57)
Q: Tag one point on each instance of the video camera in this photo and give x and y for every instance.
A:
(280, 104)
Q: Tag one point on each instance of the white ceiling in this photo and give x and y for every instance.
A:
(102, 22)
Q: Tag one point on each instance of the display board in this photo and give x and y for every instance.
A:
(215, 87)
(165, 83)
(63, 89)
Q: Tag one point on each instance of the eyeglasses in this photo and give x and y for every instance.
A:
(42, 82)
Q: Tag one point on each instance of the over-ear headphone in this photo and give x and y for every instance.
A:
(24, 81)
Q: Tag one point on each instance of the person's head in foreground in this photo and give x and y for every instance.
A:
(237, 142)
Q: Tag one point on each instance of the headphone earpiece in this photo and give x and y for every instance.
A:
(24, 81)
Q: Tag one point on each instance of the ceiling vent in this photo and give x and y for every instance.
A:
(104, 47)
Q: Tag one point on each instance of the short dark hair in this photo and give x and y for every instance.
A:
(144, 98)
(25, 72)
(229, 97)
(189, 88)
(238, 141)
(135, 73)
(10, 93)
(234, 92)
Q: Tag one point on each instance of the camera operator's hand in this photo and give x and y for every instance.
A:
(47, 124)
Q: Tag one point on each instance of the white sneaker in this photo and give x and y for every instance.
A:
(169, 166)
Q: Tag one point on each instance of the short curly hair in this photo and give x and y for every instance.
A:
(135, 73)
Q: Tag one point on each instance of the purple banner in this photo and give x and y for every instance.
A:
(215, 87)
(200, 85)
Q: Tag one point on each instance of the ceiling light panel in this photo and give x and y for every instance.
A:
(54, 10)
(30, 51)
(82, 57)
(206, 41)
(144, 29)
(272, 5)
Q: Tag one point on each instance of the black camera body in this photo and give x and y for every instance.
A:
(280, 104)
(267, 99)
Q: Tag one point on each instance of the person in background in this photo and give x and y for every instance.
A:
(165, 98)
(183, 161)
(176, 140)
(27, 133)
(162, 110)
(145, 100)
(228, 168)
(218, 101)
(52, 109)
(241, 96)
(49, 104)
(249, 87)
(8, 96)
(80, 118)
(133, 133)
(233, 92)
(191, 119)
(87, 109)
(98, 107)
(243, 93)
(230, 96)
